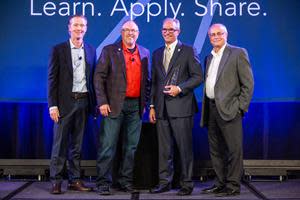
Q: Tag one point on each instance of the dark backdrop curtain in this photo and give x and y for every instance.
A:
(271, 131)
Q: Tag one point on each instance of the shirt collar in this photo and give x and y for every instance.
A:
(126, 49)
(73, 46)
(172, 46)
(220, 52)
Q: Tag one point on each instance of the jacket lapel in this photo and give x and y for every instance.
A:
(87, 62)
(223, 61)
(142, 54)
(68, 57)
(207, 64)
(161, 60)
(121, 57)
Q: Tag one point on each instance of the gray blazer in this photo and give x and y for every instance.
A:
(234, 84)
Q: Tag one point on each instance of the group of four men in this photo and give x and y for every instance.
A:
(122, 86)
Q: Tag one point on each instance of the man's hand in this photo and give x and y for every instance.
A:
(54, 114)
(152, 117)
(171, 90)
(104, 110)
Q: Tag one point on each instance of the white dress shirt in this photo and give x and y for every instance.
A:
(212, 72)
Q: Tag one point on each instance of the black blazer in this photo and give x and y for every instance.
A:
(186, 61)
(110, 78)
(60, 77)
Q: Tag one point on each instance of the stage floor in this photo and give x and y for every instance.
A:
(288, 189)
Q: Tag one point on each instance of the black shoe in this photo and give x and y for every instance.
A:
(227, 192)
(184, 191)
(128, 189)
(161, 188)
(212, 190)
(56, 188)
(103, 190)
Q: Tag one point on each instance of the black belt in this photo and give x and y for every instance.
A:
(212, 101)
(131, 98)
(79, 95)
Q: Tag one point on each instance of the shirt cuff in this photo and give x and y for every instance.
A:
(52, 108)
(179, 89)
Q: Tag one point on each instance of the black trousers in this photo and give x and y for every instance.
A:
(226, 151)
(170, 131)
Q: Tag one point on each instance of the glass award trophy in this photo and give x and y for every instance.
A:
(174, 77)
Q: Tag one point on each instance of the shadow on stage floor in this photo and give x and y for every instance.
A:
(287, 189)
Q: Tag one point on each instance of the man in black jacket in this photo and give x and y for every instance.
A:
(176, 72)
(70, 95)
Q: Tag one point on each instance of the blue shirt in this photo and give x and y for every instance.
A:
(78, 62)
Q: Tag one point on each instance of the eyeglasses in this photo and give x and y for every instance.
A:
(170, 30)
(127, 30)
(216, 34)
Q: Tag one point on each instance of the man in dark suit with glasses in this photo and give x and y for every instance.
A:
(176, 72)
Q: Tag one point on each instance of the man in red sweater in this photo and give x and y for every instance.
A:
(122, 86)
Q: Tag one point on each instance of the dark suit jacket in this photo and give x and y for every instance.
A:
(234, 84)
(186, 61)
(60, 77)
(110, 78)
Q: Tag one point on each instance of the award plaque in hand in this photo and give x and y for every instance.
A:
(173, 79)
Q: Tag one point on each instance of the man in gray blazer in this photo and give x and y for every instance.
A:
(176, 72)
(228, 90)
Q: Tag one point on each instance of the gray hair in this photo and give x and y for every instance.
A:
(130, 21)
(176, 21)
(220, 25)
